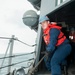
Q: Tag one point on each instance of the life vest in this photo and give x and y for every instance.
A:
(46, 34)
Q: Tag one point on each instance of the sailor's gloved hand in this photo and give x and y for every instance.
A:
(47, 53)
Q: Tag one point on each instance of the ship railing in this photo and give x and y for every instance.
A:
(10, 44)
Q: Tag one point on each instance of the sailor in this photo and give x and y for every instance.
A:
(57, 45)
(72, 39)
(72, 34)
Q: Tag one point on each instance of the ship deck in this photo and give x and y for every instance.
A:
(71, 71)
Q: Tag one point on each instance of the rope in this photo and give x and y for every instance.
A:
(32, 70)
(5, 38)
(18, 40)
(16, 55)
(26, 43)
(16, 63)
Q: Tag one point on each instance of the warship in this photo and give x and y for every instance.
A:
(60, 11)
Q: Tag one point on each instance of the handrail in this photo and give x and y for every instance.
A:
(18, 41)
(17, 55)
(5, 54)
(12, 56)
(16, 63)
(25, 43)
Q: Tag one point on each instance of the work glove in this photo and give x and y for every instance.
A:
(47, 54)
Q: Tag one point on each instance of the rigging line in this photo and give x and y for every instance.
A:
(16, 63)
(17, 55)
(33, 69)
(26, 43)
(5, 54)
(5, 38)
(24, 67)
(18, 40)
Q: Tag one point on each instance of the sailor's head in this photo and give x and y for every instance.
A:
(44, 21)
(72, 30)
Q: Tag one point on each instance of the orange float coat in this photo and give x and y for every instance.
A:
(46, 36)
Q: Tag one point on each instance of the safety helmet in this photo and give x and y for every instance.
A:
(43, 18)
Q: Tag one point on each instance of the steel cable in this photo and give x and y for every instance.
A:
(16, 63)
(18, 41)
(17, 55)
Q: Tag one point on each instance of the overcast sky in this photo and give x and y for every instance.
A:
(11, 13)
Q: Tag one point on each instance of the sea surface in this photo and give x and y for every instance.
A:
(17, 59)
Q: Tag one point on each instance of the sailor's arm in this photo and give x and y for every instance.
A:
(53, 39)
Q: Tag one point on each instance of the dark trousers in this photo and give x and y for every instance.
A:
(58, 57)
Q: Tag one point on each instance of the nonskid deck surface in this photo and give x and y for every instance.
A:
(47, 73)
(71, 71)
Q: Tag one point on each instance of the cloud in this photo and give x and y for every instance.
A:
(11, 13)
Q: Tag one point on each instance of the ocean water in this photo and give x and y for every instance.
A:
(17, 59)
